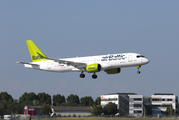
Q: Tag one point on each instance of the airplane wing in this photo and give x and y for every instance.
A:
(28, 63)
(75, 64)
(78, 65)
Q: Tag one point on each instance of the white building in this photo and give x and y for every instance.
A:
(120, 99)
(139, 105)
(136, 105)
(161, 101)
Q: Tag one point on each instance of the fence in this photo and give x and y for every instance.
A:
(20, 117)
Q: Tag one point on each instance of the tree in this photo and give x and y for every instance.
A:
(46, 110)
(44, 98)
(4, 108)
(170, 110)
(110, 109)
(58, 99)
(87, 101)
(17, 107)
(7, 104)
(97, 110)
(98, 101)
(73, 100)
(35, 102)
(28, 98)
(6, 96)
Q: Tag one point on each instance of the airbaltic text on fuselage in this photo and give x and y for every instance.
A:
(113, 57)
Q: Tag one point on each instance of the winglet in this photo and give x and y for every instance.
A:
(35, 53)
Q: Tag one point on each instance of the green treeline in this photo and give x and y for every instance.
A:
(31, 99)
(8, 105)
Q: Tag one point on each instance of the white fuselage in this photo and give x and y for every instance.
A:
(106, 61)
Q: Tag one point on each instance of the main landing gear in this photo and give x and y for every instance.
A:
(82, 75)
(94, 76)
(138, 72)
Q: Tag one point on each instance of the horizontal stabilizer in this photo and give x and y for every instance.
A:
(28, 63)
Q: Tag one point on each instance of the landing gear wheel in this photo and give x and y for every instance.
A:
(138, 72)
(82, 75)
(94, 76)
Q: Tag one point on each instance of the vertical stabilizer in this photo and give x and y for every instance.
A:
(35, 53)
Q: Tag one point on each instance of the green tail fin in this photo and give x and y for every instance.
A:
(35, 53)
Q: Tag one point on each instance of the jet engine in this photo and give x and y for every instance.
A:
(113, 71)
(92, 68)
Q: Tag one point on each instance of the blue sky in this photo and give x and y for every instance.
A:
(63, 29)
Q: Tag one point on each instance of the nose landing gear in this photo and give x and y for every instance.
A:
(138, 72)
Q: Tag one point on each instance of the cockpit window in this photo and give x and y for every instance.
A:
(138, 56)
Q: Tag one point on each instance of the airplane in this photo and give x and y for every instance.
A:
(110, 63)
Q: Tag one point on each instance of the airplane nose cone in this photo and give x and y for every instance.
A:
(147, 61)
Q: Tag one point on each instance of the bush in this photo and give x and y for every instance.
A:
(97, 110)
(110, 109)
(46, 110)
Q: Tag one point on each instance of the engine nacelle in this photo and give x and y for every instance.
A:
(113, 71)
(93, 68)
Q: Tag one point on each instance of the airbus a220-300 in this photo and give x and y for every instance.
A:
(110, 63)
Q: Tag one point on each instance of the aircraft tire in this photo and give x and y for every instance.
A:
(94, 76)
(82, 75)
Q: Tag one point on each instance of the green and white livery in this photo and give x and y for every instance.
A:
(111, 63)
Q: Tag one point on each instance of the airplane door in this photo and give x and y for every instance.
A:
(130, 58)
(48, 65)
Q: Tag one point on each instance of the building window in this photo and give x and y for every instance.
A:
(160, 105)
(137, 99)
(156, 99)
(137, 111)
(161, 99)
(110, 99)
(137, 105)
(169, 99)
